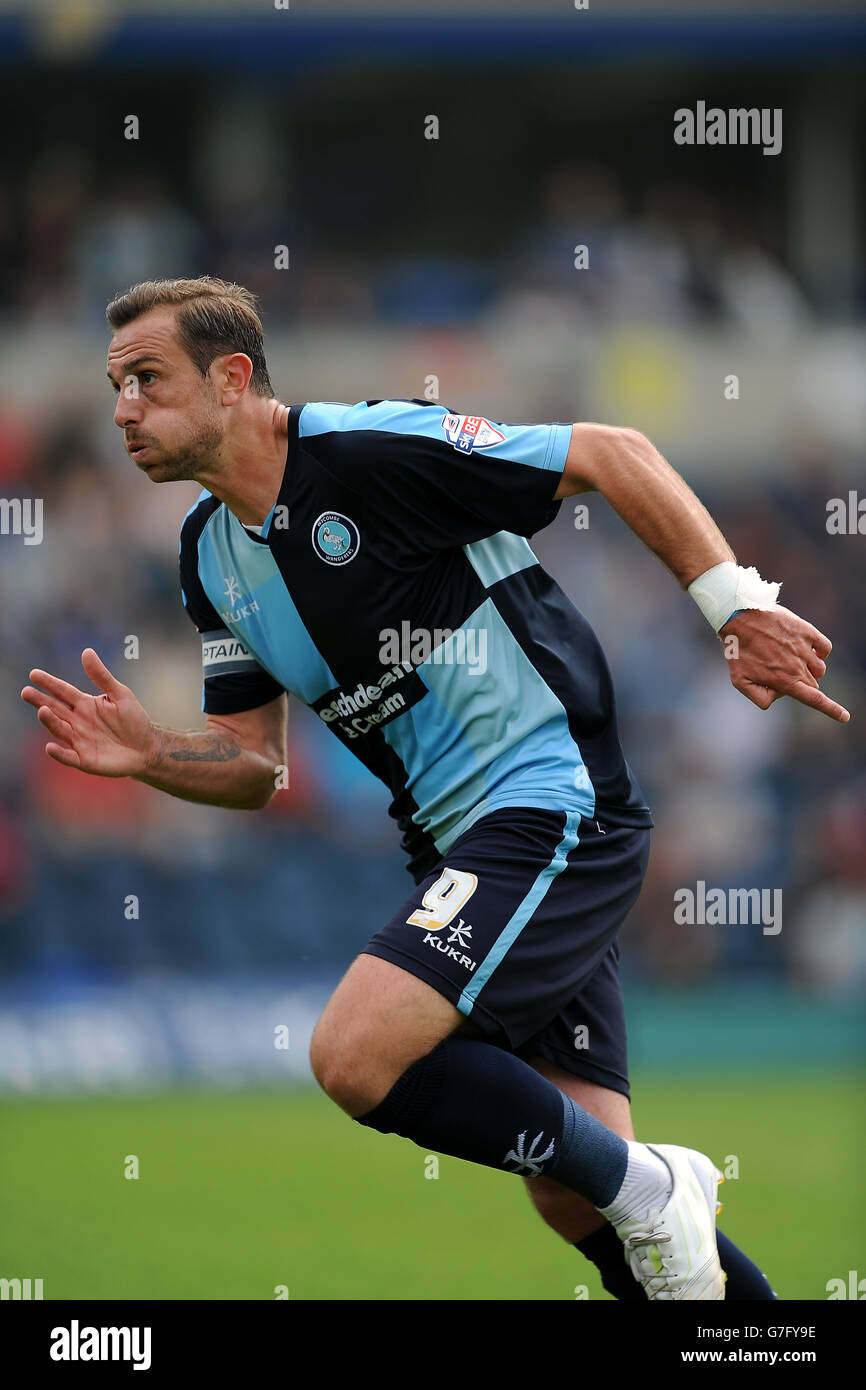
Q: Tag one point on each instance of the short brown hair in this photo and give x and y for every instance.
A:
(214, 316)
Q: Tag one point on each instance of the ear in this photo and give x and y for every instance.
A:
(231, 376)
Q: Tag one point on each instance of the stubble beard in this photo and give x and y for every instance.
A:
(195, 457)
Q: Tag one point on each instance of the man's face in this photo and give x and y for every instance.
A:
(167, 410)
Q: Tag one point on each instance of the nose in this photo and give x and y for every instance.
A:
(127, 410)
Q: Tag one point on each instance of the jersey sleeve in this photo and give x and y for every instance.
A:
(232, 679)
(446, 478)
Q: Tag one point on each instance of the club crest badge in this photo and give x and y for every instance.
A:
(336, 539)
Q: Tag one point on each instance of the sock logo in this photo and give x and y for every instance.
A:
(530, 1162)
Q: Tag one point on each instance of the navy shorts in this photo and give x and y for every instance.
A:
(516, 926)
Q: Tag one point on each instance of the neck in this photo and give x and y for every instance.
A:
(248, 470)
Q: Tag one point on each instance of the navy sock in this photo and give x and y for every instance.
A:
(478, 1102)
(745, 1281)
(605, 1249)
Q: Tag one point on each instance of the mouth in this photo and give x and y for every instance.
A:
(137, 451)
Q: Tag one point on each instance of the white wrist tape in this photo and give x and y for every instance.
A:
(726, 588)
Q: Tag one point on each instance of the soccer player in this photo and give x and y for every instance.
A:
(373, 559)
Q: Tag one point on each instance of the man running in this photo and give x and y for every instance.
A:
(373, 560)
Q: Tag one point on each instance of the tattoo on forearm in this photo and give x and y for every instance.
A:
(222, 750)
(192, 746)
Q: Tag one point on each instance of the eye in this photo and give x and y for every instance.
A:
(144, 374)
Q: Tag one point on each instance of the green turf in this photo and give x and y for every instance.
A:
(241, 1192)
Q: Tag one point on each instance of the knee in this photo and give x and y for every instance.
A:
(345, 1078)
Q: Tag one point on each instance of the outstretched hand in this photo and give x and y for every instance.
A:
(108, 734)
(777, 653)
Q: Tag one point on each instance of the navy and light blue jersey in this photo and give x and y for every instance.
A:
(393, 590)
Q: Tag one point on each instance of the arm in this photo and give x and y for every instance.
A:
(231, 762)
(776, 653)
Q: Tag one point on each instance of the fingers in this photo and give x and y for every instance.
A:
(821, 644)
(62, 752)
(99, 673)
(67, 756)
(760, 695)
(817, 640)
(811, 695)
(67, 694)
(805, 659)
(56, 726)
(61, 690)
(815, 666)
(805, 690)
(50, 710)
(39, 700)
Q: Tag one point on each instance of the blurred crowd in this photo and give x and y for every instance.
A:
(72, 236)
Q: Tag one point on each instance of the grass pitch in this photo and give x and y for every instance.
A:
(241, 1192)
